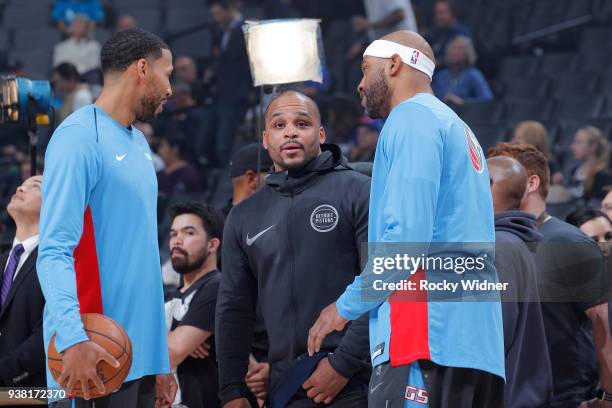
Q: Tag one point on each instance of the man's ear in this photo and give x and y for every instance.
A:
(251, 178)
(142, 66)
(264, 139)
(396, 65)
(214, 244)
(533, 183)
(322, 135)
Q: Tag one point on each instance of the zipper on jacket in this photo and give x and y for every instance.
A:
(291, 274)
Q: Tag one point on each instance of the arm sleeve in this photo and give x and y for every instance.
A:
(201, 313)
(354, 349)
(72, 168)
(235, 315)
(412, 152)
(481, 90)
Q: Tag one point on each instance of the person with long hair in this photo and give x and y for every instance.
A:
(591, 151)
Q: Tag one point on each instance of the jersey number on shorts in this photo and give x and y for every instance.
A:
(416, 394)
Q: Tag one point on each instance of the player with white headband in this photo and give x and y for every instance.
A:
(430, 185)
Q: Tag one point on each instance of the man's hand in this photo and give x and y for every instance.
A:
(79, 366)
(325, 383)
(328, 321)
(202, 351)
(595, 403)
(238, 403)
(165, 390)
(257, 378)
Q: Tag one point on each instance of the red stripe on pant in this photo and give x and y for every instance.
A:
(409, 324)
(87, 269)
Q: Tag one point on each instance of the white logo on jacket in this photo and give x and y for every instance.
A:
(324, 218)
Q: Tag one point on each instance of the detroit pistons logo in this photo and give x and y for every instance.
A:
(415, 57)
(476, 154)
(324, 218)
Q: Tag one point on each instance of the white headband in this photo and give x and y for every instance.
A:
(410, 56)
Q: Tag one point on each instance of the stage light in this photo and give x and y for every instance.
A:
(284, 51)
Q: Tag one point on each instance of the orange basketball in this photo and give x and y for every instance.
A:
(112, 337)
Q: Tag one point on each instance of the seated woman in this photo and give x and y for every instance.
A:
(590, 176)
(461, 82)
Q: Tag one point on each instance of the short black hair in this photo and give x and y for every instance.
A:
(211, 218)
(130, 45)
(67, 71)
(225, 4)
(581, 216)
(285, 92)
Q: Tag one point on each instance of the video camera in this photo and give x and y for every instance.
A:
(25, 102)
(22, 99)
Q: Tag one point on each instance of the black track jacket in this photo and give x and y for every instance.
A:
(294, 247)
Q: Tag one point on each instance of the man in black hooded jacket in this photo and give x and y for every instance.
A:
(528, 369)
(293, 247)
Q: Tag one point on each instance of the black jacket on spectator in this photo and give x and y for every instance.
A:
(233, 71)
(528, 369)
(22, 353)
(293, 247)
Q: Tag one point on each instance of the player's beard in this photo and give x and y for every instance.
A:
(377, 97)
(183, 266)
(148, 106)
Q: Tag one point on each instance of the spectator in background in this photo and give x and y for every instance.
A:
(606, 204)
(147, 131)
(233, 76)
(591, 175)
(67, 83)
(461, 81)
(594, 223)
(178, 175)
(65, 11)
(343, 116)
(534, 133)
(124, 22)
(185, 70)
(574, 302)
(367, 137)
(445, 29)
(80, 49)
(384, 17)
(195, 242)
(190, 120)
(246, 177)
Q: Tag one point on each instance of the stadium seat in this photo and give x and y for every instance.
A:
(579, 106)
(37, 63)
(38, 38)
(518, 67)
(526, 88)
(182, 18)
(25, 18)
(518, 110)
(101, 35)
(554, 64)
(489, 135)
(596, 39)
(575, 84)
(481, 113)
(148, 18)
(198, 44)
(594, 61)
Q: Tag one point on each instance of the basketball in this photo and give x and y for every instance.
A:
(107, 333)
